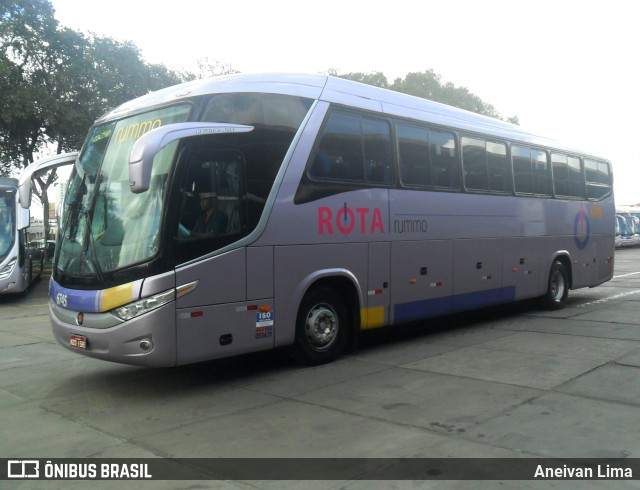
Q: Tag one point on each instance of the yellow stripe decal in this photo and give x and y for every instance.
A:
(120, 295)
(371, 317)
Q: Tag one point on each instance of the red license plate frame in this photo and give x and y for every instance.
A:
(78, 341)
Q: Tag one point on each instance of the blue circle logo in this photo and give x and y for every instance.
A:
(581, 228)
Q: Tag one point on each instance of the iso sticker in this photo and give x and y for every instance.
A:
(264, 324)
(265, 319)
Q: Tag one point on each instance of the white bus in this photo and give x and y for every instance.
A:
(21, 261)
(252, 212)
(629, 224)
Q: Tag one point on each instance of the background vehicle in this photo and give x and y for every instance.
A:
(618, 232)
(343, 207)
(49, 250)
(630, 230)
(21, 262)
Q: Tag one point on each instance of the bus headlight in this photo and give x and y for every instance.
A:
(145, 305)
(8, 269)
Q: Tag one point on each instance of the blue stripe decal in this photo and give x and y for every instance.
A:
(418, 310)
(478, 299)
(74, 299)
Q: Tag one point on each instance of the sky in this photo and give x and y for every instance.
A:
(567, 68)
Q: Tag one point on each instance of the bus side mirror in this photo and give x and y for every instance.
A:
(149, 144)
(23, 219)
(24, 183)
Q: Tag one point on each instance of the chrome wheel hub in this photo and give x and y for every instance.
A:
(321, 327)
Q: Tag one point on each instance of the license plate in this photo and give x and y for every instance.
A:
(78, 341)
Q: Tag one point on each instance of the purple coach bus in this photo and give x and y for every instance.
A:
(250, 212)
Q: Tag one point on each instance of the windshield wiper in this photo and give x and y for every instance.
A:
(87, 244)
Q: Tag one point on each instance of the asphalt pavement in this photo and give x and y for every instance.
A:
(508, 382)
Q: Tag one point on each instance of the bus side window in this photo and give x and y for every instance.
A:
(353, 149)
(497, 167)
(444, 159)
(211, 196)
(598, 178)
(474, 158)
(522, 174)
(377, 151)
(485, 165)
(568, 179)
(541, 173)
(576, 177)
(413, 146)
(340, 150)
(560, 174)
(321, 166)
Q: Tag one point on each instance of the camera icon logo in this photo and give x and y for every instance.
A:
(23, 468)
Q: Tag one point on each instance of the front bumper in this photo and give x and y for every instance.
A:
(147, 340)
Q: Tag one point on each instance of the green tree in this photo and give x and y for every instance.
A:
(54, 82)
(428, 85)
(25, 28)
(101, 73)
(213, 68)
(377, 79)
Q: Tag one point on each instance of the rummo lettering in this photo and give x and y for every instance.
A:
(135, 130)
(346, 220)
(410, 226)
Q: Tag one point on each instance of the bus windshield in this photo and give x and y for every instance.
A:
(7, 221)
(106, 226)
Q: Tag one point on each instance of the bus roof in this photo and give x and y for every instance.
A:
(627, 209)
(8, 182)
(339, 91)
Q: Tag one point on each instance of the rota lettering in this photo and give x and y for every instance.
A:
(346, 221)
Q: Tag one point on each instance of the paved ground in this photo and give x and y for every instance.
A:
(508, 382)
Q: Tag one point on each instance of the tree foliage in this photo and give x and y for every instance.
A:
(377, 79)
(213, 68)
(427, 85)
(22, 25)
(54, 82)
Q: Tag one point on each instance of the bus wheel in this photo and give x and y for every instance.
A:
(321, 327)
(557, 287)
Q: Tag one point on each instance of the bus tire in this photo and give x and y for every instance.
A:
(322, 327)
(557, 287)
